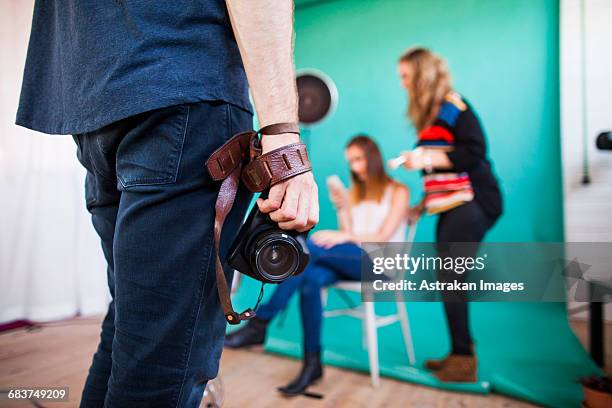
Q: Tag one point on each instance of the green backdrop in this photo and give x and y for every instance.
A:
(503, 56)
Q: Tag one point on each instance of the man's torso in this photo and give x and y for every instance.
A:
(93, 62)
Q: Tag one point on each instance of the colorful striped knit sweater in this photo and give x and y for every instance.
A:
(445, 189)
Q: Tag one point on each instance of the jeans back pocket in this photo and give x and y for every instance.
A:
(150, 152)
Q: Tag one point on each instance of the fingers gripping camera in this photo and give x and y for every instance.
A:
(261, 250)
(267, 253)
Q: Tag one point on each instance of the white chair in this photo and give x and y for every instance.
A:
(372, 322)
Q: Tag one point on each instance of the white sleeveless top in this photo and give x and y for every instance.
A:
(368, 216)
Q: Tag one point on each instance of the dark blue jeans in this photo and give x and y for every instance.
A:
(152, 204)
(326, 266)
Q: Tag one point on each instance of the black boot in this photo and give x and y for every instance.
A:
(253, 333)
(311, 372)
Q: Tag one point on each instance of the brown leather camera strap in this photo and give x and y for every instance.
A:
(241, 155)
(268, 169)
(225, 164)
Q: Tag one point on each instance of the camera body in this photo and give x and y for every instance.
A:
(267, 253)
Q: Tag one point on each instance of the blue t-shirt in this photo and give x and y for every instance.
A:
(93, 62)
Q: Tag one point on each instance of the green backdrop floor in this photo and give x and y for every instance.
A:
(525, 350)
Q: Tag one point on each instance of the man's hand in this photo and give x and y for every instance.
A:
(293, 203)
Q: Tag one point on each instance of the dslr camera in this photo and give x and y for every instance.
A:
(267, 253)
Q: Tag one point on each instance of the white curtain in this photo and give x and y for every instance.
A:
(51, 263)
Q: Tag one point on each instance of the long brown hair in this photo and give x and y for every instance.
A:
(430, 84)
(373, 187)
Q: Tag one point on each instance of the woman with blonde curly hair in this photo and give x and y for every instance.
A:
(459, 187)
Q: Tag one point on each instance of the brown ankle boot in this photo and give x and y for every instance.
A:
(458, 368)
(436, 364)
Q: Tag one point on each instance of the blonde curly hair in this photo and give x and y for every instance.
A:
(429, 85)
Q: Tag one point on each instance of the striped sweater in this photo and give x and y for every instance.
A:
(444, 189)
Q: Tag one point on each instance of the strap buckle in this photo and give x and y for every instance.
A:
(235, 318)
(256, 176)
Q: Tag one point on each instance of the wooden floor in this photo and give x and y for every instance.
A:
(59, 355)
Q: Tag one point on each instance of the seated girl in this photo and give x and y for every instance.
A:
(372, 210)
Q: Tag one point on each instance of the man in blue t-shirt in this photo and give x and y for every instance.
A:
(148, 90)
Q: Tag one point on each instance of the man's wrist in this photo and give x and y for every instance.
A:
(271, 142)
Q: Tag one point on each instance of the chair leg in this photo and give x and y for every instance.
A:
(403, 318)
(372, 340)
(364, 332)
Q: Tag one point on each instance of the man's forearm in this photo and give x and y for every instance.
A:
(264, 32)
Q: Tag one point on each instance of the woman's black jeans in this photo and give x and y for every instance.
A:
(152, 204)
(466, 223)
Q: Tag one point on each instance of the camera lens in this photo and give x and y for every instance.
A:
(276, 256)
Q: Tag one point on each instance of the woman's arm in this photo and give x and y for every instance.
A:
(469, 147)
(413, 214)
(423, 158)
(436, 159)
(397, 214)
(344, 219)
(340, 200)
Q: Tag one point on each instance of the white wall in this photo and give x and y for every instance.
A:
(51, 264)
(588, 208)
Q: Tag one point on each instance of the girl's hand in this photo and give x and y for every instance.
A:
(329, 238)
(339, 198)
